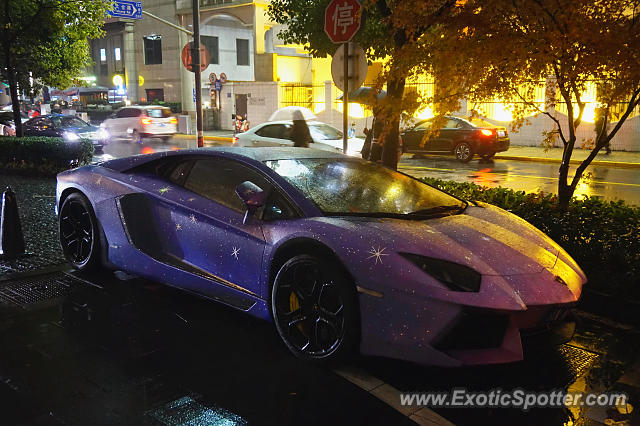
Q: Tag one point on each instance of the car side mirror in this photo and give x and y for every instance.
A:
(252, 196)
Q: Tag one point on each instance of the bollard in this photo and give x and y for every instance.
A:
(11, 238)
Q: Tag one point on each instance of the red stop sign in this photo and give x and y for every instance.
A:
(187, 60)
(342, 20)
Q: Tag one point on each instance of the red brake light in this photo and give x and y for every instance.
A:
(145, 120)
(486, 132)
(174, 120)
(234, 140)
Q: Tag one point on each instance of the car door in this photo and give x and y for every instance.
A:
(40, 126)
(446, 139)
(412, 139)
(273, 135)
(205, 218)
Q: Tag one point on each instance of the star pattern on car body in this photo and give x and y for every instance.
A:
(192, 218)
(178, 227)
(164, 190)
(377, 253)
(235, 252)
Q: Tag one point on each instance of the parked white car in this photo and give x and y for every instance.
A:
(138, 122)
(276, 133)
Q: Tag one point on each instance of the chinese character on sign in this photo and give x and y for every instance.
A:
(342, 17)
(342, 20)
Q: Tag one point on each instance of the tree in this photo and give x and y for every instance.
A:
(46, 41)
(507, 48)
(391, 30)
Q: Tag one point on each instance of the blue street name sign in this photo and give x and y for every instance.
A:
(127, 9)
(217, 85)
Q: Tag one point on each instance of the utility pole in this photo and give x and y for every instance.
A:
(195, 55)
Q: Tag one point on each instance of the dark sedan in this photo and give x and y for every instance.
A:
(460, 136)
(68, 127)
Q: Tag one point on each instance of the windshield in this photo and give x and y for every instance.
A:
(68, 122)
(351, 187)
(159, 112)
(324, 132)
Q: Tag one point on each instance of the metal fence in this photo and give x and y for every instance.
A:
(305, 95)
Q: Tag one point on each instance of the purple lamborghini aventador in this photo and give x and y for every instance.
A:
(341, 254)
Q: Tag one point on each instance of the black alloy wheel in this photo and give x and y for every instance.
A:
(315, 309)
(79, 235)
(463, 152)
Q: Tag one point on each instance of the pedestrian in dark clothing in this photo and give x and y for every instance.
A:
(300, 134)
(599, 127)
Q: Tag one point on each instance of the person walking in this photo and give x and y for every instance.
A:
(300, 134)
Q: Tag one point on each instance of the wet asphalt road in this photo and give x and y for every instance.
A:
(122, 350)
(609, 183)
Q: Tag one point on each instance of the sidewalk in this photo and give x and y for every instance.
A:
(554, 155)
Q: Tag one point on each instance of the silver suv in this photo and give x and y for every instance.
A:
(138, 122)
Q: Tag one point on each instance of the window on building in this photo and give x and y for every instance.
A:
(103, 55)
(155, 95)
(211, 43)
(242, 51)
(116, 53)
(152, 50)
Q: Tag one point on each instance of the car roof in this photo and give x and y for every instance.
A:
(259, 154)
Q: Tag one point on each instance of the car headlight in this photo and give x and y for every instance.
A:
(455, 276)
(70, 136)
(103, 133)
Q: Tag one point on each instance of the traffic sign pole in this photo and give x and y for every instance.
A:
(198, 72)
(345, 100)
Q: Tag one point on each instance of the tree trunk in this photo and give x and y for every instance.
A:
(565, 191)
(395, 91)
(13, 88)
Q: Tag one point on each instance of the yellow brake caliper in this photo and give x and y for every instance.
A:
(294, 305)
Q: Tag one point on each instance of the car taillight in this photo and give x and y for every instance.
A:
(145, 120)
(173, 120)
(486, 132)
(234, 140)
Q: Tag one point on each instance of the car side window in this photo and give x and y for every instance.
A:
(452, 124)
(426, 125)
(122, 113)
(267, 131)
(217, 179)
(278, 208)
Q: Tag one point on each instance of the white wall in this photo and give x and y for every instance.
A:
(227, 33)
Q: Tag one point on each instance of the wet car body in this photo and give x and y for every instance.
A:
(462, 137)
(68, 127)
(520, 281)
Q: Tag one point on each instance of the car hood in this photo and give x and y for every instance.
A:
(485, 238)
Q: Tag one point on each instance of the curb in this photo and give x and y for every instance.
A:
(208, 138)
(573, 161)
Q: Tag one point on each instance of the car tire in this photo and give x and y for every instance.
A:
(136, 137)
(79, 233)
(165, 138)
(315, 309)
(463, 152)
(489, 156)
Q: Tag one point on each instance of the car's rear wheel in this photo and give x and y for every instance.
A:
(79, 235)
(136, 137)
(463, 152)
(488, 156)
(314, 308)
(165, 138)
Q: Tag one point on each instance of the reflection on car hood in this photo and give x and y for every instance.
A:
(489, 241)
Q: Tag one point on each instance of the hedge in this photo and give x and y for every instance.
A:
(43, 156)
(602, 236)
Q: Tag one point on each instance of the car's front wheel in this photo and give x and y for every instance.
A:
(136, 137)
(79, 235)
(315, 309)
(463, 152)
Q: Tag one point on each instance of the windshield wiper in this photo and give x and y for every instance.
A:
(439, 210)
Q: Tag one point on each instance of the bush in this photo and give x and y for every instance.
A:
(43, 156)
(602, 236)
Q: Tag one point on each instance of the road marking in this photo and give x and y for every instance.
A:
(390, 396)
(517, 175)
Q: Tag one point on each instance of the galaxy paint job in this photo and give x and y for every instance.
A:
(162, 231)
